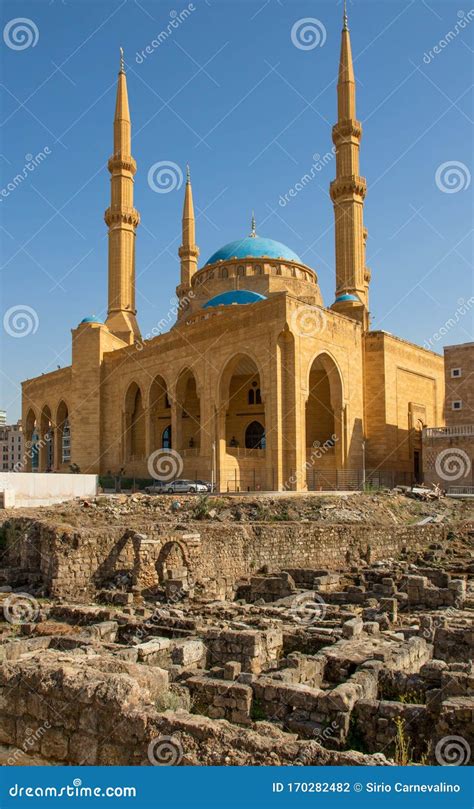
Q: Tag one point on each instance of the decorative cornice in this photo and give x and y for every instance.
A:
(128, 216)
(349, 128)
(348, 186)
(120, 162)
(188, 252)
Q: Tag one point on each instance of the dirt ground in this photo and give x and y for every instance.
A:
(381, 508)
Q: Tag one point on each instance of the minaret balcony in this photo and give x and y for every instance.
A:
(126, 216)
(346, 131)
(350, 186)
(188, 252)
(119, 162)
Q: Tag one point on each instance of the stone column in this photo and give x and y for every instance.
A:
(148, 431)
(220, 417)
(175, 429)
(58, 448)
(271, 396)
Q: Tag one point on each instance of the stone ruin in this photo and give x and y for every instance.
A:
(134, 654)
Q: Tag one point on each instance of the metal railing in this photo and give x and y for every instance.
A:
(355, 479)
(443, 432)
(243, 452)
(258, 479)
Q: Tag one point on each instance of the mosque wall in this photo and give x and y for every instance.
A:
(404, 392)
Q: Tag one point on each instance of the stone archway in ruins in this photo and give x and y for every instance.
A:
(172, 562)
(173, 571)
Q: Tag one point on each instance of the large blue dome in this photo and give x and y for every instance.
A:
(241, 296)
(253, 247)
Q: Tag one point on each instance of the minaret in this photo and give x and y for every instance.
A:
(348, 193)
(189, 251)
(122, 220)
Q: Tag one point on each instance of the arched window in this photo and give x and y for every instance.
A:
(166, 438)
(35, 450)
(224, 272)
(66, 443)
(251, 396)
(255, 436)
(258, 396)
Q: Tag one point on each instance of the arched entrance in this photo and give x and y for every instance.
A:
(188, 415)
(160, 415)
(134, 424)
(324, 424)
(242, 427)
(31, 460)
(62, 438)
(46, 441)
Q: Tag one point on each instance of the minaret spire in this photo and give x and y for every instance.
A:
(348, 192)
(253, 229)
(122, 220)
(189, 251)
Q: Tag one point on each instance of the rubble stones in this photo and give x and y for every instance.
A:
(250, 642)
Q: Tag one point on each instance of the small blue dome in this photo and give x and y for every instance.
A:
(253, 247)
(347, 297)
(234, 296)
(91, 319)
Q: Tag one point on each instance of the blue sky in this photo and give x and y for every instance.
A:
(229, 91)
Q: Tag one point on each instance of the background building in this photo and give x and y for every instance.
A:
(12, 448)
(449, 450)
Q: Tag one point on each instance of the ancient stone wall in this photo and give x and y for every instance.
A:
(75, 563)
(59, 711)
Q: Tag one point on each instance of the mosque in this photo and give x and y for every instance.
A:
(259, 385)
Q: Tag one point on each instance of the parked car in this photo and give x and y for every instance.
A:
(211, 487)
(184, 487)
(158, 487)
